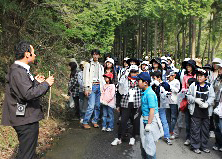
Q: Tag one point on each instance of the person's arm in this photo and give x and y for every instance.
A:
(190, 93)
(151, 115)
(184, 89)
(211, 97)
(20, 83)
(112, 92)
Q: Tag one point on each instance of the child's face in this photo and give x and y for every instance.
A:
(215, 66)
(155, 65)
(109, 65)
(132, 63)
(106, 79)
(133, 74)
(189, 68)
(141, 84)
(169, 62)
(220, 71)
(125, 64)
(201, 78)
(143, 67)
(171, 78)
(156, 78)
(163, 65)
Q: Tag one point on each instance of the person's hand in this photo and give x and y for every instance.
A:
(39, 78)
(199, 101)
(50, 80)
(148, 127)
(87, 93)
(204, 105)
(118, 109)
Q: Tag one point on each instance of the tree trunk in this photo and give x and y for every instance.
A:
(190, 37)
(205, 49)
(162, 32)
(184, 42)
(193, 55)
(209, 40)
(120, 44)
(155, 39)
(124, 46)
(147, 37)
(199, 36)
(140, 38)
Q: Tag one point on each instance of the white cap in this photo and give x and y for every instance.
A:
(217, 61)
(82, 62)
(147, 58)
(186, 59)
(220, 65)
(145, 63)
(164, 60)
(134, 67)
(169, 58)
(126, 58)
(110, 60)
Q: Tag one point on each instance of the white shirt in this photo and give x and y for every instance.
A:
(132, 92)
(27, 67)
(175, 87)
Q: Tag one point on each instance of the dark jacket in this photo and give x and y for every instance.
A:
(27, 91)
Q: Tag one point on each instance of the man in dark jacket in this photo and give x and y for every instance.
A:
(21, 108)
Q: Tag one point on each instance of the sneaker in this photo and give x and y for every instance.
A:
(132, 141)
(81, 121)
(215, 148)
(174, 136)
(104, 129)
(109, 129)
(95, 125)
(116, 142)
(187, 143)
(212, 135)
(168, 141)
(206, 150)
(86, 126)
(220, 149)
(197, 151)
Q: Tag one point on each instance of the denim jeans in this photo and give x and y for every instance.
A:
(93, 105)
(145, 155)
(171, 114)
(108, 117)
(83, 104)
(162, 113)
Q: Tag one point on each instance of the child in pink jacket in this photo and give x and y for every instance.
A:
(107, 101)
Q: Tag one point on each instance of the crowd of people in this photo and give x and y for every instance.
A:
(154, 97)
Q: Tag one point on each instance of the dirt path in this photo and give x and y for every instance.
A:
(77, 143)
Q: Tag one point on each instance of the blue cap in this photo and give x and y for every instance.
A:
(145, 76)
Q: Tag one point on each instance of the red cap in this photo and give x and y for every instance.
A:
(110, 75)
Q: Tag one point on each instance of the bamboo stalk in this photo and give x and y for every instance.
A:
(50, 95)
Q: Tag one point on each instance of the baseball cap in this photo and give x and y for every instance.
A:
(171, 73)
(145, 76)
(110, 75)
(145, 63)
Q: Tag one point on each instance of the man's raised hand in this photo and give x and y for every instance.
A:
(50, 80)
